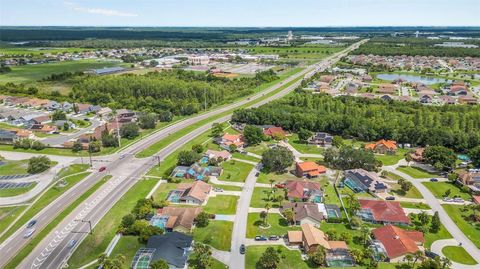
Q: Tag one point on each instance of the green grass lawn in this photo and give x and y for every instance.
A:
(439, 188)
(217, 234)
(265, 177)
(415, 172)
(354, 241)
(39, 235)
(14, 167)
(235, 171)
(16, 191)
(391, 159)
(95, 244)
(414, 205)
(293, 258)
(49, 196)
(127, 246)
(303, 147)
(238, 155)
(226, 187)
(258, 149)
(468, 227)
(29, 73)
(458, 254)
(411, 193)
(301, 53)
(8, 215)
(260, 197)
(222, 204)
(162, 191)
(278, 225)
(72, 169)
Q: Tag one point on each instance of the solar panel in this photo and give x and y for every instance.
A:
(11, 185)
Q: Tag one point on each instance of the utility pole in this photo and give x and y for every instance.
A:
(118, 131)
(89, 152)
(205, 98)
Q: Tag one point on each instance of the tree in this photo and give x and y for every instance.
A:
(94, 146)
(147, 121)
(355, 222)
(417, 255)
(37, 145)
(406, 186)
(365, 233)
(159, 264)
(165, 116)
(408, 158)
(232, 148)
(435, 225)
(440, 157)
(38, 164)
(202, 219)
(129, 130)
(289, 214)
(475, 155)
(304, 135)
(198, 148)
(408, 258)
(337, 141)
(217, 129)
(269, 259)
(447, 193)
(66, 126)
(77, 146)
(349, 157)
(59, 115)
(277, 159)
(318, 256)
(264, 216)
(203, 255)
(109, 141)
(253, 135)
(109, 263)
(187, 157)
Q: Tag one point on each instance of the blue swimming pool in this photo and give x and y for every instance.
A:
(463, 157)
(159, 221)
(204, 160)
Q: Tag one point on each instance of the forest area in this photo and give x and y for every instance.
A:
(455, 127)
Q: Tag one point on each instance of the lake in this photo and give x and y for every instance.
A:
(412, 78)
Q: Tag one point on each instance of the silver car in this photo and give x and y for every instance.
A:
(28, 232)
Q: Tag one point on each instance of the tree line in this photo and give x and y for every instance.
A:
(456, 127)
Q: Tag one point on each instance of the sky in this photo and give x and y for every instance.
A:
(231, 13)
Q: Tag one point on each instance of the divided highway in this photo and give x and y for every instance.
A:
(53, 250)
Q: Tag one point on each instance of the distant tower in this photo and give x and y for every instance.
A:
(290, 36)
(416, 34)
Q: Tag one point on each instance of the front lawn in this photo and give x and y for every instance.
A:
(293, 258)
(260, 197)
(222, 204)
(257, 149)
(411, 193)
(391, 159)
(354, 236)
(278, 225)
(466, 225)
(245, 157)
(415, 172)
(439, 188)
(304, 147)
(414, 205)
(458, 254)
(217, 234)
(235, 171)
(277, 177)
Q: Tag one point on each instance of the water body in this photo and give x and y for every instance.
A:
(412, 78)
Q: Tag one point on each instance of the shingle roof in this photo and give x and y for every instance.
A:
(171, 248)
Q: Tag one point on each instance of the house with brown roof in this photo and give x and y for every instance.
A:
(274, 132)
(304, 213)
(231, 139)
(309, 169)
(43, 128)
(382, 212)
(471, 179)
(303, 190)
(215, 154)
(467, 100)
(395, 242)
(387, 89)
(383, 146)
(180, 219)
(190, 193)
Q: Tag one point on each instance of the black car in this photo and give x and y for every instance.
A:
(242, 249)
(260, 238)
(390, 198)
(433, 180)
(257, 174)
(273, 238)
(31, 223)
(430, 254)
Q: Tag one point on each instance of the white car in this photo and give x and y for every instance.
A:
(28, 232)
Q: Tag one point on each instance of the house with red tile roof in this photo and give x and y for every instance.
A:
(309, 169)
(383, 146)
(231, 139)
(382, 212)
(476, 199)
(302, 190)
(396, 242)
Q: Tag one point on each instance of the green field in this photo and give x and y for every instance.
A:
(292, 258)
(307, 52)
(260, 197)
(278, 225)
(127, 246)
(8, 215)
(15, 51)
(468, 227)
(415, 172)
(303, 147)
(217, 234)
(34, 72)
(458, 254)
(222, 204)
(235, 171)
(439, 188)
(411, 193)
(391, 159)
(414, 205)
(13, 167)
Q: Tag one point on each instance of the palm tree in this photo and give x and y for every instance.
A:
(267, 207)
(408, 258)
(446, 263)
(271, 182)
(365, 233)
(417, 255)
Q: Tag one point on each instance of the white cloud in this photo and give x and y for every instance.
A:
(99, 11)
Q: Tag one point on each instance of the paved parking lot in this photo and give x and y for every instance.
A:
(14, 176)
(10, 185)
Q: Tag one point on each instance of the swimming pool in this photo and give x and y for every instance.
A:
(204, 160)
(463, 157)
(159, 221)
(174, 196)
(332, 213)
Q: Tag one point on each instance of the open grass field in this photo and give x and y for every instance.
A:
(415, 172)
(17, 51)
(16, 191)
(298, 53)
(245, 157)
(411, 193)
(105, 230)
(458, 254)
(278, 225)
(414, 205)
(13, 167)
(468, 227)
(391, 159)
(222, 204)
(439, 188)
(235, 171)
(277, 177)
(127, 246)
(34, 72)
(260, 197)
(292, 258)
(9, 214)
(302, 147)
(217, 234)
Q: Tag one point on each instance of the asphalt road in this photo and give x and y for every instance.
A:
(60, 139)
(53, 251)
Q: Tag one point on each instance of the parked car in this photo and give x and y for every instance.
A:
(218, 189)
(28, 232)
(31, 223)
(390, 198)
(257, 174)
(280, 186)
(430, 254)
(433, 180)
(71, 243)
(273, 238)
(86, 119)
(260, 238)
(122, 156)
(103, 168)
(242, 249)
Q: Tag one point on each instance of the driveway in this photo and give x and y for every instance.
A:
(437, 247)
(60, 139)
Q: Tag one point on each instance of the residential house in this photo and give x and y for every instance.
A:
(387, 97)
(180, 219)
(215, 154)
(83, 108)
(360, 180)
(446, 100)
(196, 171)
(395, 242)
(52, 105)
(321, 139)
(458, 90)
(303, 190)
(476, 199)
(387, 89)
(304, 212)
(7, 136)
(327, 78)
(231, 139)
(43, 128)
(42, 119)
(467, 100)
(471, 179)
(174, 248)
(309, 169)
(382, 212)
(105, 112)
(274, 132)
(190, 193)
(61, 124)
(125, 115)
(383, 146)
(417, 155)
(426, 99)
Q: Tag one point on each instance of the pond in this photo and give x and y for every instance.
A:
(412, 78)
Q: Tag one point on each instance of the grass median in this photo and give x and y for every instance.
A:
(45, 231)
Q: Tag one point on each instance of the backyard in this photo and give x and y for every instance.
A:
(292, 258)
